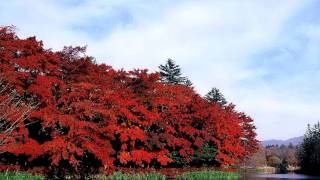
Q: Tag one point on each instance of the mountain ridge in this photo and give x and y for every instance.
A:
(294, 141)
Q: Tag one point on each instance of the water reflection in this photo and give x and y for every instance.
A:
(277, 176)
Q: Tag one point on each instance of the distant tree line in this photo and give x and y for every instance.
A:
(280, 157)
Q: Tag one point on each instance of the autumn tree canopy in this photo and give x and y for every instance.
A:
(92, 117)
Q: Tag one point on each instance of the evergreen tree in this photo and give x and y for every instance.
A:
(171, 73)
(290, 146)
(216, 96)
(188, 83)
(283, 167)
(309, 151)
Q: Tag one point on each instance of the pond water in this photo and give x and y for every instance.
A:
(291, 176)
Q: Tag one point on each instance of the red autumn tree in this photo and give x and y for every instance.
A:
(91, 117)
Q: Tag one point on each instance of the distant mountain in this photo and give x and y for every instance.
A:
(295, 141)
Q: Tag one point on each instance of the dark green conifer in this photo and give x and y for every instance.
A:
(171, 73)
(216, 96)
(309, 151)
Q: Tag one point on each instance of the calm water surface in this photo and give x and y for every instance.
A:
(291, 176)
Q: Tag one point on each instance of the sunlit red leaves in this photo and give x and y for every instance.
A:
(164, 160)
(124, 157)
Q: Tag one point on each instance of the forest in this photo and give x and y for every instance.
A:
(63, 114)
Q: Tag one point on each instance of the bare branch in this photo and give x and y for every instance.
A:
(13, 112)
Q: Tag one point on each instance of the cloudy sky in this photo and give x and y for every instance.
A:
(263, 55)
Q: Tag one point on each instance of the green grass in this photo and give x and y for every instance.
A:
(208, 175)
(203, 175)
(138, 176)
(251, 170)
(8, 175)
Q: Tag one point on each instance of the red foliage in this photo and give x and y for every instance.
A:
(118, 117)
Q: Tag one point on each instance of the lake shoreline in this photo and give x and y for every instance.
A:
(279, 176)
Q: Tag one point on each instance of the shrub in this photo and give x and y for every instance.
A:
(274, 161)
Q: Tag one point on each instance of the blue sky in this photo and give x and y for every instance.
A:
(263, 55)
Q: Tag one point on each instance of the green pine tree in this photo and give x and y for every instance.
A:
(188, 83)
(171, 73)
(216, 96)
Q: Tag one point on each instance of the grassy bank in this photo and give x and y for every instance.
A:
(185, 176)
(208, 175)
(265, 169)
(8, 175)
(137, 176)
